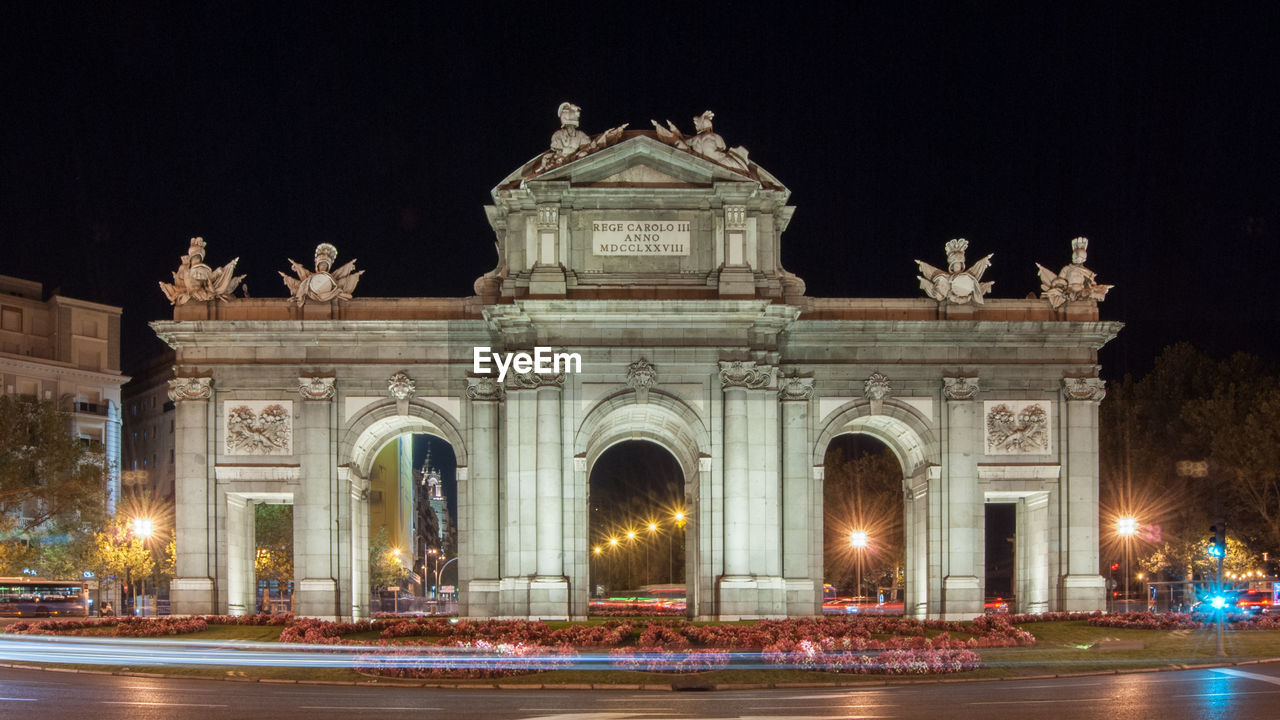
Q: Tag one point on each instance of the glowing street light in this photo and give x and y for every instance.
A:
(858, 541)
(1126, 527)
(143, 527)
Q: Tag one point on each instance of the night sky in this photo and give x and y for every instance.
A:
(381, 128)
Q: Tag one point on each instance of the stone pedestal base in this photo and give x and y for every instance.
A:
(751, 598)
(961, 598)
(547, 280)
(480, 599)
(316, 597)
(192, 596)
(549, 598)
(1082, 593)
(803, 598)
(737, 282)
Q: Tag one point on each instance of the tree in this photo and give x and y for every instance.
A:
(45, 473)
(385, 569)
(1190, 560)
(273, 530)
(118, 553)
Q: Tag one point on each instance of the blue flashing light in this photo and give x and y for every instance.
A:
(1216, 550)
(1218, 602)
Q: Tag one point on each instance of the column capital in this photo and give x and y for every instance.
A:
(533, 381)
(190, 388)
(745, 374)
(795, 388)
(549, 216)
(484, 389)
(317, 388)
(1089, 389)
(960, 388)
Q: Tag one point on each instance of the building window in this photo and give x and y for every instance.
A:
(11, 319)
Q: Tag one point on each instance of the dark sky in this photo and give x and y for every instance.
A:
(267, 128)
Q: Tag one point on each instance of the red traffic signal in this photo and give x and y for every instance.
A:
(1115, 566)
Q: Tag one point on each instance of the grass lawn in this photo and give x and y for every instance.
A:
(1062, 647)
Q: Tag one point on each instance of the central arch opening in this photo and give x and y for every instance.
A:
(413, 540)
(636, 525)
(864, 549)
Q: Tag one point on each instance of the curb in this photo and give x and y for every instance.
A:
(634, 687)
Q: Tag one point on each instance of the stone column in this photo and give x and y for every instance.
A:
(550, 561)
(735, 378)
(241, 588)
(963, 524)
(478, 516)
(804, 588)
(1082, 588)
(192, 590)
(315, 505)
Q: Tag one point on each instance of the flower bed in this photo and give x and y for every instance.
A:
(830, 657)
(1184, 621)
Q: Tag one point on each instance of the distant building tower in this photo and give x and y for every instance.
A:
(430, 480)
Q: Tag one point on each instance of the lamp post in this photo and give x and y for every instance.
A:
(1126, 527)
(631, 545)
(671, 553)
(434, 554)
(440, 572)
(143, 528)
(648, 556)
(858, 541)
(613, 564)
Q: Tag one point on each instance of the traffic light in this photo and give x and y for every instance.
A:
(1115, 566)
(1218, 541)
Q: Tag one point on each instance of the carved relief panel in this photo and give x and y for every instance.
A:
(1018, 427)
(258, 427)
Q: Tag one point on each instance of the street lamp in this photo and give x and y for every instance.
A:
(648, 556)
(1126, 527)
(858, 541)
(143, 528)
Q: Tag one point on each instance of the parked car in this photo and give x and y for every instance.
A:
(1256, 602)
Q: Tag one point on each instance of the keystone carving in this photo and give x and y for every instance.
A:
(484, 389)
(1092, 389)
(877, 386)
(190, 388)
(641, 375)
(959, 388)
(744, 374)
(401, 387)
(317, 388)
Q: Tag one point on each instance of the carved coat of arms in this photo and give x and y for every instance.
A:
(268, 430)
(1017, 428)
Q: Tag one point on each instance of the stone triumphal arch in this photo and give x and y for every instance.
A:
(654, 257)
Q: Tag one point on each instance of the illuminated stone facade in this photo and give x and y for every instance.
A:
(659, 265)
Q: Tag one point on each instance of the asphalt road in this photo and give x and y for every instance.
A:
(1251, 691)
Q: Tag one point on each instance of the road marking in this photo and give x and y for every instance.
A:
(156, 704)
(362, 707)
(1252, 676)
(1035, 687)
(1021, 702)
(1233, 694)
(9, 699)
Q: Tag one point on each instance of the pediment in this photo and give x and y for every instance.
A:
(640, 161)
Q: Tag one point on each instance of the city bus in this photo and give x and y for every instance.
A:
(37, 597)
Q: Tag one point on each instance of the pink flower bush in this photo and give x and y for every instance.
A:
(823, 656)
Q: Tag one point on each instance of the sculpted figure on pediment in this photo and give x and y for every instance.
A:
(1073, 282)
(956, 285)
(705, 142)
(194, 280)
(569, 143)
(324, 284)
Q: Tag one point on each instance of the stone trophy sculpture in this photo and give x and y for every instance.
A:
(194, 280)
(956, 285)
(322, 285)
(1073, 282)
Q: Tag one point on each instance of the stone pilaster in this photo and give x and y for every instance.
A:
(804, 594)
(962, 507)
(478, 494)
(317, 521)
(193, 590)
(735, 379)
(547, 277)
(1082, 588)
